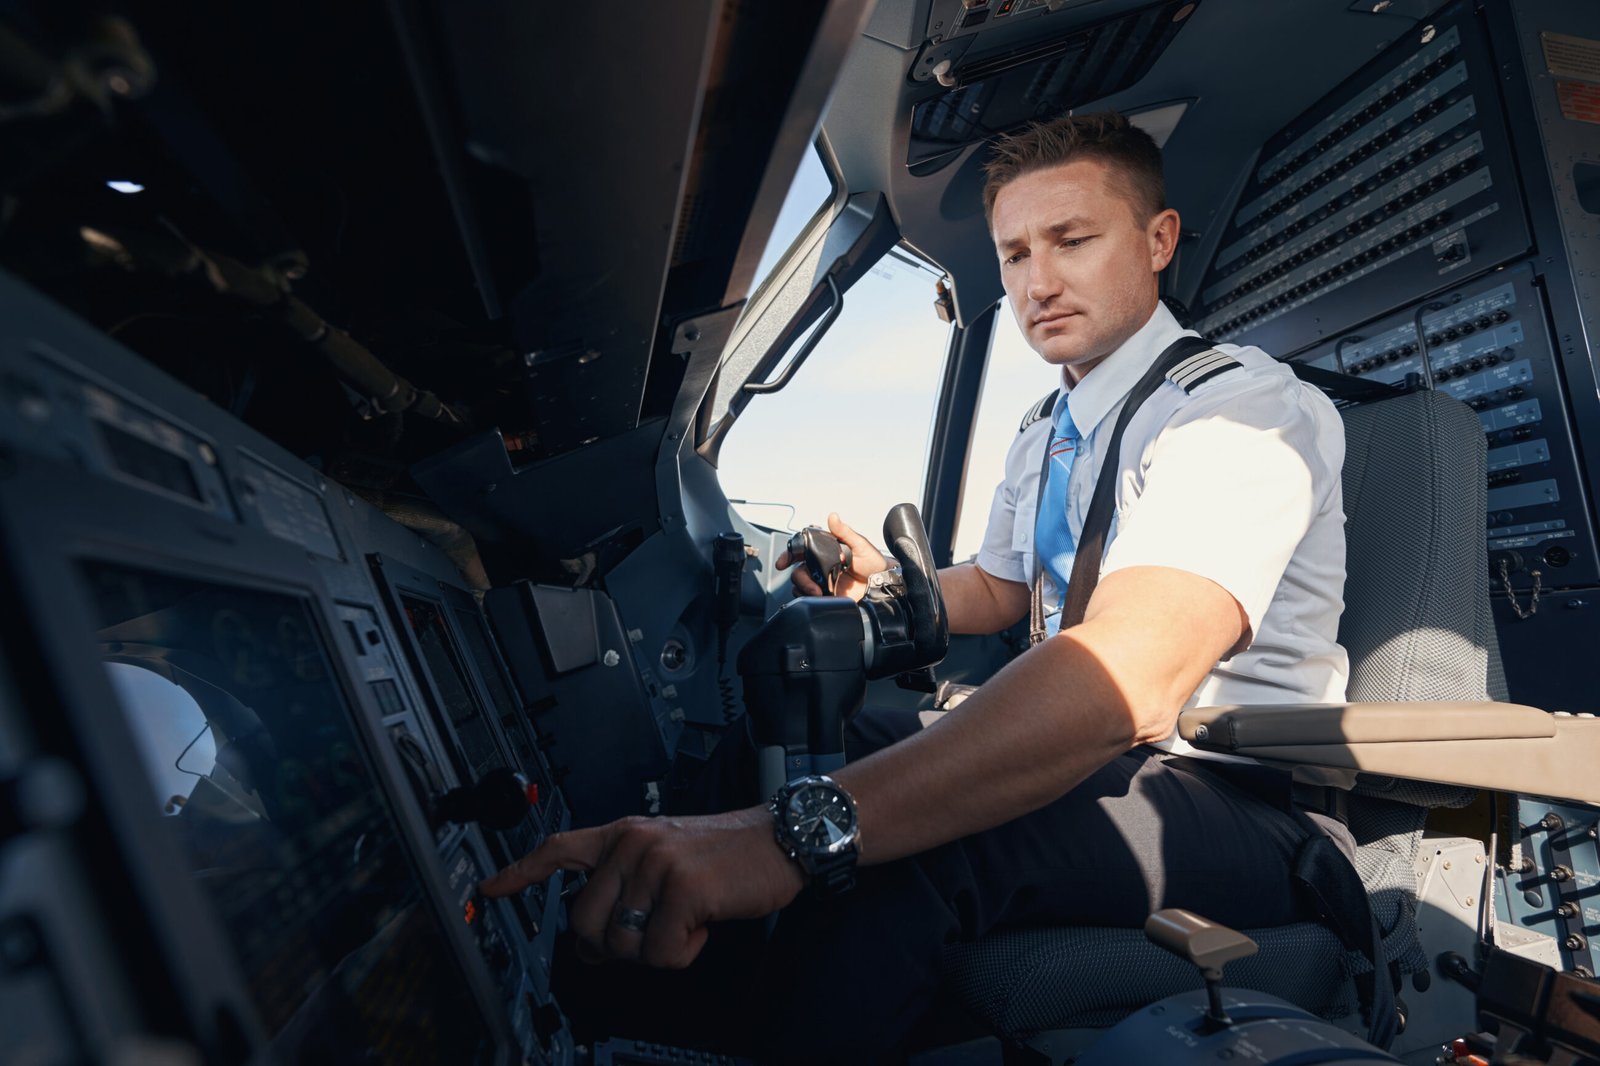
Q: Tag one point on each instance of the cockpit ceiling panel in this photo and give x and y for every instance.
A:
(1040, 80)
(950, 19)
(604, 189)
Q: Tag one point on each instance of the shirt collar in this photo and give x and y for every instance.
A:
(1104, 387)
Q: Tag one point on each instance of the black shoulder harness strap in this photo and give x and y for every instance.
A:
(1188, 361)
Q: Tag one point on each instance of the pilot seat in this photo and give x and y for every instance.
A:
(1417, 627)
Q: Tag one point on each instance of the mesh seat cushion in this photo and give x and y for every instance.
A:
(1024, 981)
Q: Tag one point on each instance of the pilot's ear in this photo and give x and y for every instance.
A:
(1163, 231)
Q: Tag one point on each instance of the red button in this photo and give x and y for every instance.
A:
(533, 793)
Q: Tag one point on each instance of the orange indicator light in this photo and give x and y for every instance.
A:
(471, 912)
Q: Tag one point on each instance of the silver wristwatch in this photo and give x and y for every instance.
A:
(815, 822)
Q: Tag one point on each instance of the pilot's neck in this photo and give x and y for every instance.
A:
(1073, 373)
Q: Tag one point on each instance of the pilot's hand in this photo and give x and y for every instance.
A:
(655, 883)
(865, 560)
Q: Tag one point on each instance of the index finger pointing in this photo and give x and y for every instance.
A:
(577, 850)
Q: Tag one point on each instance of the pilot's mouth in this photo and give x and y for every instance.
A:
(1058, 316)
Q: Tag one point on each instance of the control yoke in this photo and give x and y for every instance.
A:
(805, 671)
(906, 626)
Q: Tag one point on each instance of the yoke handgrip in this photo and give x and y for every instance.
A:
(907, 540)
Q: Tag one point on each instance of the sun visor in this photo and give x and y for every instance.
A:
(1033, 79)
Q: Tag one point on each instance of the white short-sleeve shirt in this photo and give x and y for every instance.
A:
(1237, 481)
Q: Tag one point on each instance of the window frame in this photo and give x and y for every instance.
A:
(709, 432)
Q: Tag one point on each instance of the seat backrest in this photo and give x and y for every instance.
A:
(1416, 621)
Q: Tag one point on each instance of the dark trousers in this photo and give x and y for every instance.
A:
(1140, 834)
(851, 980)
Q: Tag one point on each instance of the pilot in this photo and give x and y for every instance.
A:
(1051, 795)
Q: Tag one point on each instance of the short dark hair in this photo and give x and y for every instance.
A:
(1106, 136)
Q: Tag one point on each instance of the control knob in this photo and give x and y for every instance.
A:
(500, 799)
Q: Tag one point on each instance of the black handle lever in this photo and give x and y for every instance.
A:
(907, 539)
(1207, 945)
(727, 575)
(823, 556)
(500, 799)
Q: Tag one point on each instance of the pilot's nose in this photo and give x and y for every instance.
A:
(1043, 280)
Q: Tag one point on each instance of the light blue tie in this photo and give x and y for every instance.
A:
(1052, 537)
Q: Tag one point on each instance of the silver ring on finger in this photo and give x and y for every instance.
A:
(632, 920)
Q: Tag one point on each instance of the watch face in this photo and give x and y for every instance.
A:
(820, 818)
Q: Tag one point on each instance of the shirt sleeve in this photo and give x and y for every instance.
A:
(1007, 550)
(1231, 487)
(998, 555)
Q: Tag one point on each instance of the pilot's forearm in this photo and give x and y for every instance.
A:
(1027, 736)
(1047, 721)
(978, 602)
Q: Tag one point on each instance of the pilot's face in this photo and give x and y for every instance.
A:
(1078, 260)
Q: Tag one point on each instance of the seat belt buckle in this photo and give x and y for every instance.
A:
(1326, 800)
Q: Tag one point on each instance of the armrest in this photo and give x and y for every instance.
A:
(1501, 746)
(1239, 728)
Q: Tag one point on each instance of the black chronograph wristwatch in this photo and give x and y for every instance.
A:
(815, 821)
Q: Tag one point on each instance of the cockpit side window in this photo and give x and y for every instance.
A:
(1014, 379)
(850, 432)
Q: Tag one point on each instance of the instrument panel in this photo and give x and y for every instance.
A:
(1487, 345)
(309, 708)
(1395, 183)
(1545, 895)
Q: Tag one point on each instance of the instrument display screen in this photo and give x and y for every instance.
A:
(262, 781)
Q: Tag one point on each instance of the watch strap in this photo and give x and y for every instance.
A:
(834, 875)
